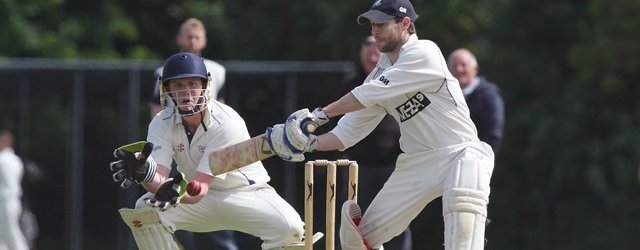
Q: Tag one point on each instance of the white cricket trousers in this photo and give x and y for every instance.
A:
(418, 179)
(257, 210)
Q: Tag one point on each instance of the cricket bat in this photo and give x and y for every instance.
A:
(246, 152)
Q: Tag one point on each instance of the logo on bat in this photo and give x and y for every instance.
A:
(265, 148)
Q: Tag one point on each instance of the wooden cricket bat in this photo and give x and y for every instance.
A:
(246, 152)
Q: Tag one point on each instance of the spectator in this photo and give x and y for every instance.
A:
(11, 170)
(483, 97)
(191, 37)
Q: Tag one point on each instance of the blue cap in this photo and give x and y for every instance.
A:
(183, 65)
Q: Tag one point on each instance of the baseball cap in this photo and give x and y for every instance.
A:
(384, 10)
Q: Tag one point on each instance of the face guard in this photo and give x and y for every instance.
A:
(185, 65)
(182, 101)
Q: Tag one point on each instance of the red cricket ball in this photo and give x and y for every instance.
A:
(194, 188)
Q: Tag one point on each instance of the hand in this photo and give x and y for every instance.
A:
(169, 193)
(296, 134)
(134, 164)
(297, 139)
(317, 116)
(276, 137)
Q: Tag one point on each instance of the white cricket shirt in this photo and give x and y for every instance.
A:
(224, 127)
(420, 93)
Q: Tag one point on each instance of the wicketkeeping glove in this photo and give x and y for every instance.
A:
(134, 164)
(169, 194)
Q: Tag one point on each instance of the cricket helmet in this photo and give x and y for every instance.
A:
(184, 65)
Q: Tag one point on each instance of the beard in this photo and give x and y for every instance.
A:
(392, 43)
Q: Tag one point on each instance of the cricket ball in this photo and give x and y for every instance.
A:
(194, 188)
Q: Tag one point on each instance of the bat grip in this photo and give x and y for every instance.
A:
(309, 126)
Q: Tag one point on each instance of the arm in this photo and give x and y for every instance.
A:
(173, 191)
(204, 180)
(348, 103)
(160, 177)
(329, 142)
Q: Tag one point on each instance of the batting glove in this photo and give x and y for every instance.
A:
(319, 116)
(276, 138)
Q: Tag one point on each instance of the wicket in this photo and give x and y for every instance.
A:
(331, 197)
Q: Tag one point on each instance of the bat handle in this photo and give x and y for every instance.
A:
(309, 126)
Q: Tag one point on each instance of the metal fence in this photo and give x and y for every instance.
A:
(68, 115)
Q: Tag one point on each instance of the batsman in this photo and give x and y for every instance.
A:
(442, 155)
(190, 127)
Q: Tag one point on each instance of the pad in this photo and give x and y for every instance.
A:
(350, 236)
(147, 229)
(465, 213)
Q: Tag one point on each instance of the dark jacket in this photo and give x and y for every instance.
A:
(487, 112)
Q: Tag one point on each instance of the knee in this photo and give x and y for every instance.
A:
(289, 230)
(465, 213)
(465, 200)
(294, 231)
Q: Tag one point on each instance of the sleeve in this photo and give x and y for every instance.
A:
(161, 138)
(233, 131)
(203, 165)
(355, 126)
(419, 67)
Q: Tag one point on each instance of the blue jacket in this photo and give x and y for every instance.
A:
(487, 112)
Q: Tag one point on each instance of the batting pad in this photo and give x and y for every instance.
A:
(465, 214)
(147, 229)
(350, 236)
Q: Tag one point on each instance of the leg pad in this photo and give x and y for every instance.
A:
(147, 229)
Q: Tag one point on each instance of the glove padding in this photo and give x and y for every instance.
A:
(134, 164)
(297, 139)
(276, 137)
(296, 136)
(169, 193)
(319, 116)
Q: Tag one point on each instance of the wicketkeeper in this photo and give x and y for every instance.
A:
(190, 126)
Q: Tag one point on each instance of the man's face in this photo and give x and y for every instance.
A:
(388, 35)
(186, 92)
(369, 54)
(463, 68)
(191, 39)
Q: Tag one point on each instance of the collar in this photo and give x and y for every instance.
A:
(412, 39)
(209, 115)
(474, 84)
(385, 62)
